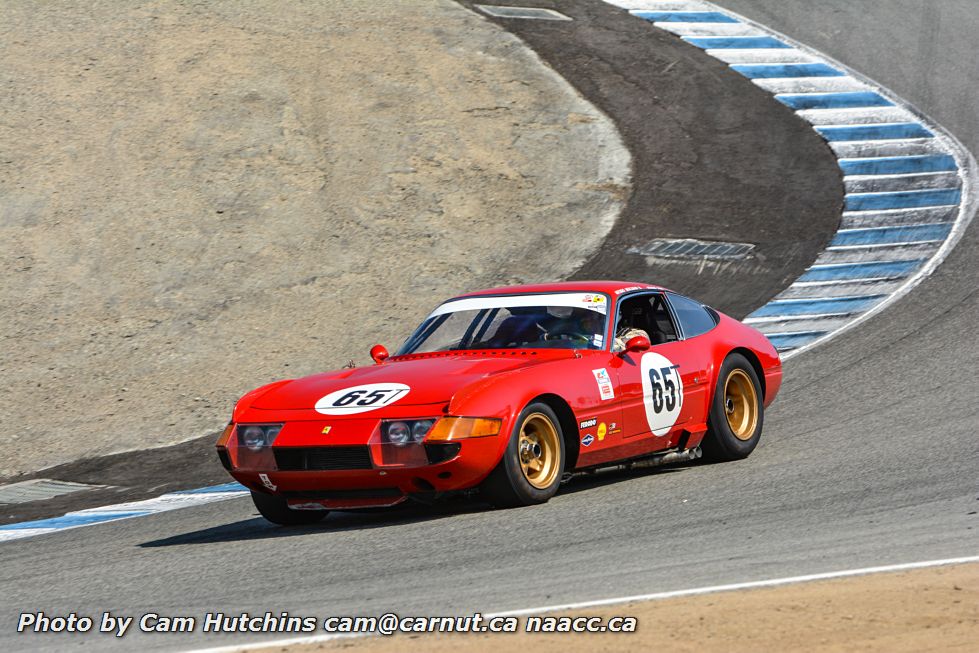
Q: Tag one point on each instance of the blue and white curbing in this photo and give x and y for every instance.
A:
(164, 503)
(910, 185)
(909, 196)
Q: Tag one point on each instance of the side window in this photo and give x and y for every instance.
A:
(664, 328)
(647, 314)
(694, 318)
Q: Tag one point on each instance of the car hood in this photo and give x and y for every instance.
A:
(430, 378)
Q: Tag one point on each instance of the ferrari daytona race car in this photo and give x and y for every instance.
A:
(506, 392)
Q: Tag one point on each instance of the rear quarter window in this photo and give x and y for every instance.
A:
(694, 318)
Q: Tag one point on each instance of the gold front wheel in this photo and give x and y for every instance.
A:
(741, 404)
(539, 450)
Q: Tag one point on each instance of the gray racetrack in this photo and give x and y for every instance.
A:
(870, 454)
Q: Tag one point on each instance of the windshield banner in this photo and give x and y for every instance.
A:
(592, 301)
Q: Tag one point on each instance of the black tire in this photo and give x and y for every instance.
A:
(722, 442)
(276, 510)
(508, 485)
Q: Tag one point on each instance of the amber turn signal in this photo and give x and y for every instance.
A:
(460, 428)
(223, 440)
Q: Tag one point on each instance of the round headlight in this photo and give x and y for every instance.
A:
(271, 432)
(253, 437)
(398, 433)
(421, 429)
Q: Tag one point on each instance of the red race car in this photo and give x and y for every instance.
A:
(508, 391)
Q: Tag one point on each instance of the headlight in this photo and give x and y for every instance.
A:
(405, 432)
(420, 429)
(398, 432)
(257, 436)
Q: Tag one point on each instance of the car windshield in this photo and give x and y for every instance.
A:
(555, 321)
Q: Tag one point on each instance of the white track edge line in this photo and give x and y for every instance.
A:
(654, 596)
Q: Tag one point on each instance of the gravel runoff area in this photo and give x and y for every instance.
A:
(914, 611)
(196, 199)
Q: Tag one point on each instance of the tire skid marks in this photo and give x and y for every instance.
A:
(909, 185)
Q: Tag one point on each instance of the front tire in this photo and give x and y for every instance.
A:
(736, 413)
(533, 462)
(277, 510)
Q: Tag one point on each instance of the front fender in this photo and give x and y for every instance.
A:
(504, 395)
(246, 401)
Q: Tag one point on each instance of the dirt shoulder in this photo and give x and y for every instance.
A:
(924, 610)
(197, 199)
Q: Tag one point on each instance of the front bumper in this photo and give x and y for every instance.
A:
(352, 476)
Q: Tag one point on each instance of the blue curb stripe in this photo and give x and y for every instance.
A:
(826, 306)
(234, 486)
(781, 70)
(903, 199)
(738, 42)
(899, 165)
(157, 505)
(895, 197)
(858, 271)
(891, 235)
(684, 16)
(843, 100)
(874, 132)
(784, 341)
(69, 521)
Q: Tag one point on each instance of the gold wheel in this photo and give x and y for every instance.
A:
(539, 450)
(741, 404)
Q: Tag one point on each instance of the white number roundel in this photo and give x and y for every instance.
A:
(361, 398)
(662, 392)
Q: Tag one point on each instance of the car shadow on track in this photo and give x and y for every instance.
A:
(337, 521)
(602, 479)
(411, 513)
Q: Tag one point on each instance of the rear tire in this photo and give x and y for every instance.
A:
(533, 462)
(276, 510)
(736, 413)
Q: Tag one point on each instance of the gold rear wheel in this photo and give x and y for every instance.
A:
(741, 404)
(539, 450)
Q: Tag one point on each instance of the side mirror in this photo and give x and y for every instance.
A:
(637, 344)
(380, 353)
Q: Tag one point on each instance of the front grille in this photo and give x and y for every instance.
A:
(301, 459)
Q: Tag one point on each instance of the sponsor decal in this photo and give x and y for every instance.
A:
(588, 423)
(604, 384)
(662, 392)
(361, 398)
(602, 430)
(267, 482)
(326, 430)
(613, 427)
(593, 299)
(629, 289)
(587, 440)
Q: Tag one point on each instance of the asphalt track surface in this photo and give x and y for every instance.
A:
(869, 457)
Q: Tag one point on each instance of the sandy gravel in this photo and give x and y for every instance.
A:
(198, 198)
(924, 610)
